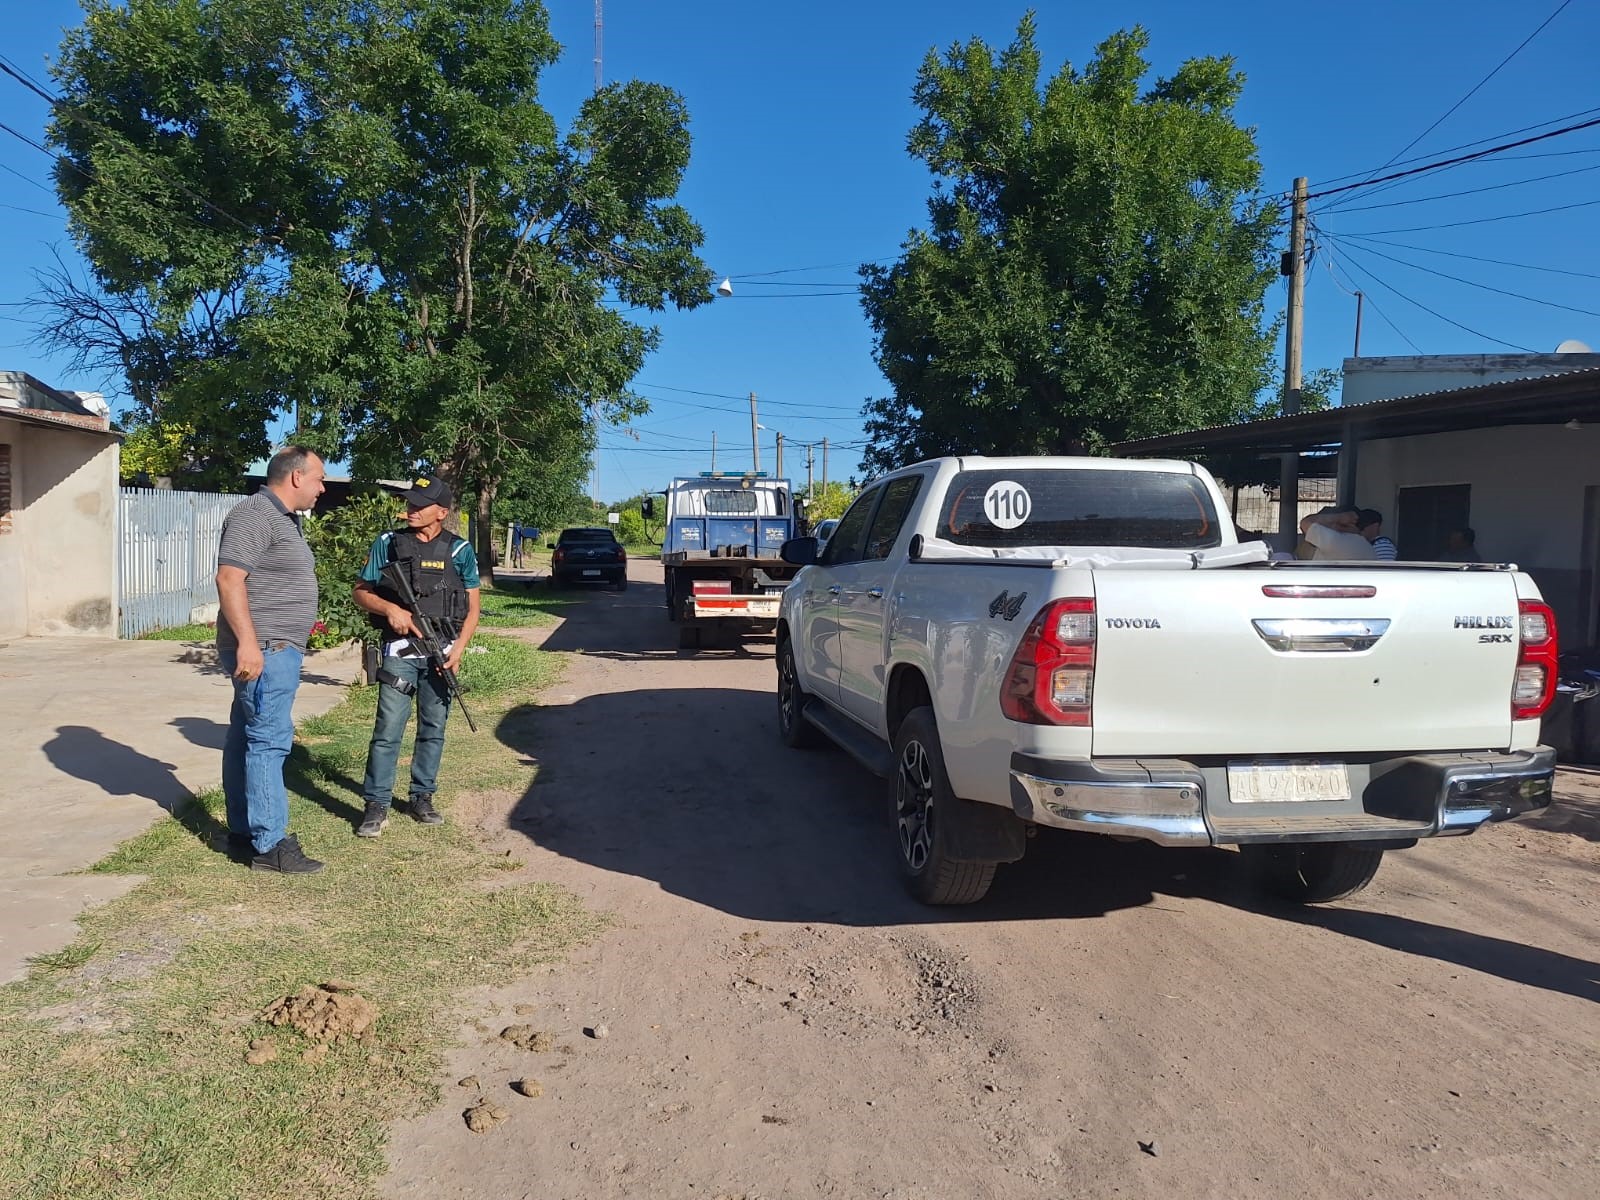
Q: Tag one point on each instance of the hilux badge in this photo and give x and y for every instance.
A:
(1006, 605)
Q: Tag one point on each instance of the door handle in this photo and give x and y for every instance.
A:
(875, 593)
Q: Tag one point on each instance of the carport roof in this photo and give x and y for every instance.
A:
(1541, 400)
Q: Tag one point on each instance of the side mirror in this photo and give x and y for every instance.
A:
(802, 551)
(647, 508)
(549, 545)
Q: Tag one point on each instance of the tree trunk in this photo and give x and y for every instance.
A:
(485, 531)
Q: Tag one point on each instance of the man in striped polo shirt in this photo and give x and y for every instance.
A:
(267, 584)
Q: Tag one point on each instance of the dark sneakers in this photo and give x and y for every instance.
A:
(422, 810)
(373, 820)
(286, 858)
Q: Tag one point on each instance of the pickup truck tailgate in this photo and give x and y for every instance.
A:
(1208, 662)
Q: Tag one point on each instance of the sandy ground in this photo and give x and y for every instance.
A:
(1114, 1021)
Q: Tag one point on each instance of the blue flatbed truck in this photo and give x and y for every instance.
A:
(719, 553)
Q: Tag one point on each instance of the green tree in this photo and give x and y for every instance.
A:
(1095, 263)
(359, 213)
(152, 450)
(829, 500)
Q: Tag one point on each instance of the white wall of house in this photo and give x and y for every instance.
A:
(58, 562)
(1370, 379)
(1528, 500)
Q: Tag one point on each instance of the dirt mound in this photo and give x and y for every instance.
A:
(324, 1012)
(528, 1038)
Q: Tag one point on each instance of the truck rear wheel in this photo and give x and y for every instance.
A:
(920, 801)
(797, 732)
(672, 595)
(1314, 872)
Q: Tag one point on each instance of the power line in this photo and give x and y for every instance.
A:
(1493, 187)
(1536, 212)
(1367, 271)
(1498, 262)
(34, 212)
(661, 387)
(45, 188)
(1460, 158)
(1468, 145)
(22, 77)
(1474, 89)
(1588, 312)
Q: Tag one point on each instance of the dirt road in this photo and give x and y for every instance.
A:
(1114, 1021)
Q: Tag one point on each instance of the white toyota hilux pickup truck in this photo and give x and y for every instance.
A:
(1083, 643)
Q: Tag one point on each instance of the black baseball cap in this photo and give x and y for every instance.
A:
(429, 489)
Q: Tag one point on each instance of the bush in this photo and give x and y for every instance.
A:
(340, 540)
(630, 527)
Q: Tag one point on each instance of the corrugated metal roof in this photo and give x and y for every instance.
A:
(1552, 398)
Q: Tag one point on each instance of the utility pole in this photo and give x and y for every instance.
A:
(713, 451)
(811, 458)
(1357, 352)
(755, 444)
(599, 38)
(1294, 266)
(824, 464)
(778, 467)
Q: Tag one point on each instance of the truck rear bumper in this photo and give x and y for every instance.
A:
(1178, 803)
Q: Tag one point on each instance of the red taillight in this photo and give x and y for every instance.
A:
(622, 555)
(561, 552)
(1051, 677)
(1535, 683)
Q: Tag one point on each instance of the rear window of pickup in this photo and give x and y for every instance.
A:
(1157, 509)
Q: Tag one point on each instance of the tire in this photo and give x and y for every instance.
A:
(797, 732)
(918, 793)
(622, 584)
(1313, 872)
(671, 589)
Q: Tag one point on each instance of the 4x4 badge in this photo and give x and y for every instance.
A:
(1006, 605)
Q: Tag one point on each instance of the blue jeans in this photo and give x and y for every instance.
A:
(394, 710)
(260, 736)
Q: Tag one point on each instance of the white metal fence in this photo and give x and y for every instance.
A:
(167, 555)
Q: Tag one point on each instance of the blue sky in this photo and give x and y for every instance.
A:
(800, 115)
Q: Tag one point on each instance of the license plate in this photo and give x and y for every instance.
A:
(596, 572)
(1277, 782)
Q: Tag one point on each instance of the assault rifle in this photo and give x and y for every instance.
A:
(431, 644)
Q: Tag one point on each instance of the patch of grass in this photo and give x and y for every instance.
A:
(72, 957)
(181, 633)
(513, 604)
(122, 1069)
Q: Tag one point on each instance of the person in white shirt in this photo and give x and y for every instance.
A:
(1336, 536)
(1369, 523)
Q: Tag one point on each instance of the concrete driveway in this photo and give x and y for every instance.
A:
(105, 737)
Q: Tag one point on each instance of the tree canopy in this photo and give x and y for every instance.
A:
(1095, 262)
(360, 213)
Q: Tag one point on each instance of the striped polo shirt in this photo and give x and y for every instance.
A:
(262, 538)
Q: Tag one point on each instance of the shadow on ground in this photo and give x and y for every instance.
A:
(690, 788)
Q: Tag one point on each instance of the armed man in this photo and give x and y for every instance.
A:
(434, 570)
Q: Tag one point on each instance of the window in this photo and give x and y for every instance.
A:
(568, 536)
(845, 544)
(898, 495)
(730, 503)
(1037, 507)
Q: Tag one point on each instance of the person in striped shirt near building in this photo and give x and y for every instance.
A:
(1370, 526)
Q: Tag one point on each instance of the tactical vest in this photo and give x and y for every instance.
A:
(431, 567)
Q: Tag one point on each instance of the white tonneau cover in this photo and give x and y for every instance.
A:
(1107, 558)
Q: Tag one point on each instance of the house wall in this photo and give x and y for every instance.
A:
(1369, 379)
(64, 530)
(13, 561)
(1528, 485)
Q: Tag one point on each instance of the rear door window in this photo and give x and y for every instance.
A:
(1022, 507)
(898, 495)
(851, 533)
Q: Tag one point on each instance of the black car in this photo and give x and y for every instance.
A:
(589, 556)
